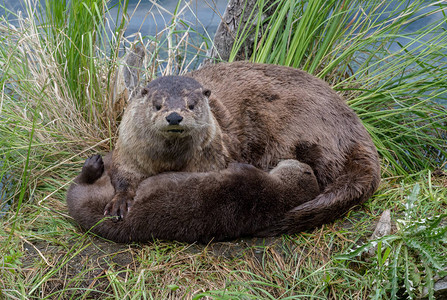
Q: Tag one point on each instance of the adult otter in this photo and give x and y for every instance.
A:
(217, 205)
(258, 114)
(169, 126)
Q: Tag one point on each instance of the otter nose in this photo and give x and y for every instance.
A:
(174, 118)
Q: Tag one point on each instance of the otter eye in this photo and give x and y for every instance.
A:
(157, 106)
(191, 106)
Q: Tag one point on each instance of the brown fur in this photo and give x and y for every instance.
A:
(259, 114)
(217, 205)
(281, 113)
(148, 144)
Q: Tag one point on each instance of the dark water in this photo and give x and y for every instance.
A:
(149, 18)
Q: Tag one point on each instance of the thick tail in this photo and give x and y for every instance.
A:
(356, 183)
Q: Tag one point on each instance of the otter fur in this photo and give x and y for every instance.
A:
(256, 114)
(168, 127)
(213, 206)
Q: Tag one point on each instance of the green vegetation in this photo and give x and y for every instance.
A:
(416, 248)
(57, 71)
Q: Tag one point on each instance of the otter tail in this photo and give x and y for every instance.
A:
(358, 181)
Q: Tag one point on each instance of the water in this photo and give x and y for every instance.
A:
(146, 18)
(149, 19)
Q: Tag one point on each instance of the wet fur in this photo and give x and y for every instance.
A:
(213, 206)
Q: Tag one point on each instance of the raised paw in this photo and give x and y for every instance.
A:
(92, 169)
(118, 207)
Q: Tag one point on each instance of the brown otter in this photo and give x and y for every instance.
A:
(256, 114)
(169, 126)
(191, 206)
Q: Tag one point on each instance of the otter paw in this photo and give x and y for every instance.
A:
(92, 169)
(118, 207)
(292, 166)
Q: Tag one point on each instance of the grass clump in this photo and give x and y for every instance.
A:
(71, 31)
(57, 68)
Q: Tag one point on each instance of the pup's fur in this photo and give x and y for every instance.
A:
(217, 205)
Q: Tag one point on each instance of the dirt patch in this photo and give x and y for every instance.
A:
(81, 267)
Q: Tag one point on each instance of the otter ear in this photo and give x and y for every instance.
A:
(144, 91)
(206, 93)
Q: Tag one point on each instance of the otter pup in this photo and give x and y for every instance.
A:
(251, 113)
(216, 205)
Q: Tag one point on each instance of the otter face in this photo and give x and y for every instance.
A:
(176, 106)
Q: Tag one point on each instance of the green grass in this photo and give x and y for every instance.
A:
(74, 40)
(55, 110)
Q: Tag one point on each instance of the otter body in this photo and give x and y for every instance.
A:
(250, 113)
(212, 206)
(281, 113)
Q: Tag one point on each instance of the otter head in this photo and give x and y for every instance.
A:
(166, 122)
(170, 109)
(175, 106)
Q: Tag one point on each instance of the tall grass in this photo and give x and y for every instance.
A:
(54, 79)
(57, 66)
(73, 38)
(393, 77)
